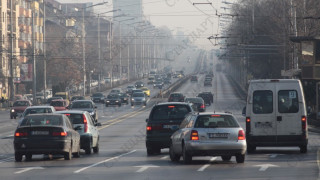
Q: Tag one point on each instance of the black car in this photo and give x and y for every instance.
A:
(158, 84)
(176, 97)
(98, 97)
(197, 103)
(139, 84)
(163, 121)
(124, 98)
(207, 97)
(46, 134)
(85, 105)
(113, 99)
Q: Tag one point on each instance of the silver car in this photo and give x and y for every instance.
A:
(209, 134)
(138, 98)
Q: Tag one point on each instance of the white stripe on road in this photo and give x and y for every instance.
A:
(165, 157)
(207, 165)
(96, 164)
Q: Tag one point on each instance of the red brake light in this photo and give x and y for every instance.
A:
(171, 106)
(194, 135)
(215, 115)
(20, 134)
(59, 134)
(67, 114)
(149, 128)
(304, 122)
(241, 135)
(85, 121)
(303, 119)
(248, 119)
(202, 106)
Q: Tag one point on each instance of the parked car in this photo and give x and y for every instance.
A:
(198, 103)
(85, 105)
(113, 99)
(176, 97)
(208, 134)
(164, 119)
(46, 134)
(86, 127)
(98, 97)
(138, 98)
(59, 104)
(18, 108)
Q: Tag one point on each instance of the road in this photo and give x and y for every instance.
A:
(123, 154)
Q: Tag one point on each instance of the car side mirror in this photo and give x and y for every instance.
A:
(98, 124)
(78, 128)
(147, 120)
(244, 110)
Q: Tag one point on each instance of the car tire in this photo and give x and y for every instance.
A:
(173, 157)
(77, 154)
(68, 155)
(145, 104)
(149, 151)
(28, 157)
(187, 158)
(127, 102)
(226, 158)
(96, 149)
(251, 149)
(303, 149)
(18, 157)
(240, 158)
(88, 150)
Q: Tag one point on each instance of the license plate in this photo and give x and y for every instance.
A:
(173, 127)
(218, 135)
(40, 132)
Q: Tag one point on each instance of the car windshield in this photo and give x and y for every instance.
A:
(176, 95)
(166, 112)
(138, 95)
(113, 96)
(37, 111)
(42, 121)
(20, 103)
(97, 95)
(81, 105)
(216, 121)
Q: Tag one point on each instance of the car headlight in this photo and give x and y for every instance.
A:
(132, 99)
(12, 110)
(108, 101)
(117, 101)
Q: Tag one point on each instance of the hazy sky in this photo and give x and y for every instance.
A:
(183, 15)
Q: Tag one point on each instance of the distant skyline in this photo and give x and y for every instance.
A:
(178, 15)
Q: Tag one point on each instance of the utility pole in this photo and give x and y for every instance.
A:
(83, 55)
(34, 90)
(99, 55)
(11, 84)
(44, 55)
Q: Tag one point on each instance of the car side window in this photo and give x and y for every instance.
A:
(191, 122)
(68, 123)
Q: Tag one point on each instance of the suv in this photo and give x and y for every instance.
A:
(176, 97)
(207, 97)
(163, 121)
(194, 78)
(86, 127)
(98, 97)
(138, 98)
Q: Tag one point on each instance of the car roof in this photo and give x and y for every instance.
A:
(71, 112)
(38, 107)
(83, 100)
(172, 103)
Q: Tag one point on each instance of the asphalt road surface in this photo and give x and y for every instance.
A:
(123, 154)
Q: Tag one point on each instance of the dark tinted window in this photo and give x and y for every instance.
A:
(176, 95)
(262, 102)
(216, 121)
(166, 112)
(81, 105)
(20, 103)
(76, 118)
(113, 96)
(194, 100)
(288, 101)
(57, 103)
(37, 111)
(138, 95)
(42, 121)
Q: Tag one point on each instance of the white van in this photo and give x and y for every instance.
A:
(276, 114)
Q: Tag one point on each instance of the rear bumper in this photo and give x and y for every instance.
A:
(158, 143)
(216, 149)
(42, 146)
(285, 140)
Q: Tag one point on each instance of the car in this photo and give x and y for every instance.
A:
(85, 105)
(98, 97)
(151, 80)
(138, 98)
(176, 97)
(18, 108)
(166, 80)
(28, 97)
(86, 127)
(194, 78)
(135, 90)
(146, 91)
(124, 98)
(158, 84)
(74, 98)
(38, 110)
(208, 134)
(164, 119)
(209, 94)
(206, 97)
(198, 103)
(130, 88)
(46, 134)
(276, 114)
(139, 84)
(116, 91)
(59, 104)
(53, 98)
(207, 83)
(65, 95)
(113, 99)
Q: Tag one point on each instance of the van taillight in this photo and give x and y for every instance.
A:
(194, 135)
(248, 119)
(304, 122)
(85, 122)
(241, 135)
(248, 125)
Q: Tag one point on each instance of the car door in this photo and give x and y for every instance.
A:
(288, 111)
(94, 131)
(177, 136)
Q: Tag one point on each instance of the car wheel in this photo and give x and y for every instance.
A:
(127, 102)
(303, 149)
(240, 158)
(68, 155)
(145, 104)
(88, 150)
(251, 149)
(18, 156)
(77, 154)
(174, 157)
(96, 149)
(28, 157)
(187, 158)
(150, 151)
(226, 158)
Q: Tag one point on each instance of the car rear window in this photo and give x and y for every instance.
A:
(42, 121)
(56, 103)
(176, 95)
(194, 100)
(216, 121)
(81, 105)
(76, 118)
(37, 111)
(21, 103)
(138, 95)
(166, 112)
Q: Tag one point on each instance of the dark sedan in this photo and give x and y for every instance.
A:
(85, 105)
(113, 99)
(98, 97)
(197, 103)
(46, 134)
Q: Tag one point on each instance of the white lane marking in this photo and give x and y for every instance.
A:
(27, 169)
(206, 165)
(6, 160)
(165, 157)
(96, 164)
(264, 167)
(145, 167)
(275, 155)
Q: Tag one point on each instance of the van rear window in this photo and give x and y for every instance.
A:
(170, 112)
(262, 102)
(288, 101)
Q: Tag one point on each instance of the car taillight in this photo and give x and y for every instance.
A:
(59, 133)
(85, 122)
(194, 135)
(241, 135)
(149, 128)
(20, 134)
(202, 106)
(248, 125)
(304, 122)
